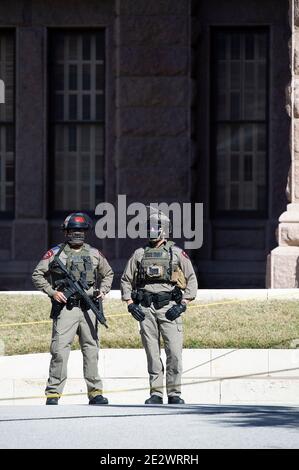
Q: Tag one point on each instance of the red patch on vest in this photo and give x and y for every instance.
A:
(48, 254)
(185, 254)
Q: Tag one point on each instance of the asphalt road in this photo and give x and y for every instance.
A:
(149, 427)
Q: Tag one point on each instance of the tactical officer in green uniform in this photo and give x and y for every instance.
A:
(81, 260)
(157, 284)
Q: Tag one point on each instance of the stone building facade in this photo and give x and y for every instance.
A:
(163, 101)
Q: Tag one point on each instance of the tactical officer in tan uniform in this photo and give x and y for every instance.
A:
(81, 260)
(157, 284)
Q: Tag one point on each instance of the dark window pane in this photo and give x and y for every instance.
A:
(99, 77)
(248, 168)
(235, 46)
(85, 138)
(100, 45)
(73, 47)
(235, 105)
(73, 107)
(234, 167)
(78, 148)
(248, 138)
(235, 75)
(249, 47)
(72, 138)
(73, 85)
(250, 106)
(86, 107)
(86, 47)
(235, 138)
(249, 79)
(239, 96)
(86, 77)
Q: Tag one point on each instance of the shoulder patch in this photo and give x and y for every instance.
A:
(48, 254)
(52, 252)
(185, 254)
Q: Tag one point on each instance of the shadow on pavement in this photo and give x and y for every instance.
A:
(236, 415)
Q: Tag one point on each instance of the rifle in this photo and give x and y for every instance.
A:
(73, 287)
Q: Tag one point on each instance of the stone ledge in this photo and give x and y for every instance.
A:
(209, 376)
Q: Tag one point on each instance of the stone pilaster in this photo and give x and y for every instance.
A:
(283, 261)
(29, 231)
(153, 102)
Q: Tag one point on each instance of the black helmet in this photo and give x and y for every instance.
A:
(77, 220)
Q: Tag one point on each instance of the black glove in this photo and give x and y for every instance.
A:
(136, 312)
(175, 311)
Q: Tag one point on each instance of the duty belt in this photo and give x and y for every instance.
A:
(159, 299)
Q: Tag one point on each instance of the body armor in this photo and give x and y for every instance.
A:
(156, 264)
(79, 263)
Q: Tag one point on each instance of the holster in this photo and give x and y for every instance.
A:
(56, 309)
(177, 295)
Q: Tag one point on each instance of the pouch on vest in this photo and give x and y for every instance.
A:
(178, 278)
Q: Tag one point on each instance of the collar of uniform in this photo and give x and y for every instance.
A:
(69, 249)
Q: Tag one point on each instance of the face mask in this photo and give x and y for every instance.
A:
(75, 238)
(153, 241)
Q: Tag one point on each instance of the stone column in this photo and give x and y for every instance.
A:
(29, 236)
(283, 261)
(153, 92)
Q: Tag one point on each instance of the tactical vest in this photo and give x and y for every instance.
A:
(76, 263)
(156, 265)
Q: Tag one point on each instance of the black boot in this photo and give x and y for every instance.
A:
(98, 400)
(52, 401)
(154, 400)
(175, 400)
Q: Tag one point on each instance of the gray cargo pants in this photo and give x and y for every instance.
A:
(152, 328)
(65, 327)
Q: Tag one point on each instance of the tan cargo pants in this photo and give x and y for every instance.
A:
(152, 328)
(65, 327)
